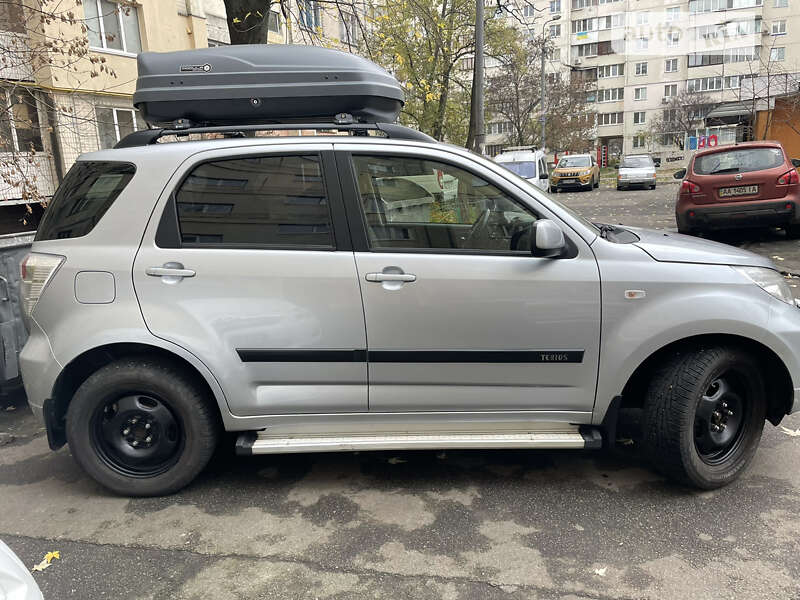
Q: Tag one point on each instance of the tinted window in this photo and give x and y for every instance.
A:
(413, 203)
(574, 161)
(526, 169)
(267, 201)
(636, 162)
(83, 198)
(741, 160)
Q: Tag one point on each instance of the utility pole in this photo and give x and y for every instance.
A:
(543, 78)
(477, 86)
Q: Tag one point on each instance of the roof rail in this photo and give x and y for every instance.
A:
(145, 137)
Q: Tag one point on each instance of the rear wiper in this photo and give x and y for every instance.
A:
(726, 170)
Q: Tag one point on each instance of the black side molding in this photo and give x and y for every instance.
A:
(413, 356)
(256, 355)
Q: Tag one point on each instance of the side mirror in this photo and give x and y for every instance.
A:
(679, 174)
(547, 239)
(543, 175)
(796, 163)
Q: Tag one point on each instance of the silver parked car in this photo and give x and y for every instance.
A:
(265, 286)
(636, 169)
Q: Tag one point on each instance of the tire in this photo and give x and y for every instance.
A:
(597, 183)
(793, 231)
(552, 190)
(689, 396)
(653, 186)
(119, 406)
(619, 188)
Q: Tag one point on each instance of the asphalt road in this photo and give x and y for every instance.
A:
(417, 525)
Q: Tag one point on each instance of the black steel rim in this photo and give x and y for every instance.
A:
(137, 435)
(722, 418)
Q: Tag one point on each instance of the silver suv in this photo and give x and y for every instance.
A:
(360, 293)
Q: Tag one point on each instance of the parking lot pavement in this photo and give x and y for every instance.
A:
(417, 525)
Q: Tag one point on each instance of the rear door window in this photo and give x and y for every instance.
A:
(87, 192)
(742, 160)
(256, 202)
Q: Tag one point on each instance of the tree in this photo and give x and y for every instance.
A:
(682, 115)
(570, 116)
(514, 91)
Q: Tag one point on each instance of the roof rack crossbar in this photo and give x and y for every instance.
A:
(145, 137)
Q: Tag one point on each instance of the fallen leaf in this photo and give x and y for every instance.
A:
(396, 461)
(47, 560)
(790, 432)
(10, 408)
(41, 566)
(601, 572)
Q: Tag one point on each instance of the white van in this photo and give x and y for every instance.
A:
(526, 162)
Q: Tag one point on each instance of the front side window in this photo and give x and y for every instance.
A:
(258, 202)
(112, 26)
(412, 203)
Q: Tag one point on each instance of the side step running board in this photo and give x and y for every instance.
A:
(261, 442)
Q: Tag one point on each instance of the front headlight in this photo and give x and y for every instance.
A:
(586, 172)
(770, 281)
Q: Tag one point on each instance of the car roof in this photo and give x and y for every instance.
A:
(576, 155)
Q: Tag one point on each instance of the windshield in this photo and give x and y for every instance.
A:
(742, 160)
(574, 161)
(636, 162)
(525, 168)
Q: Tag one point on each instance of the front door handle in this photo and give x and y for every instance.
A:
(170, 272)
(379, 277)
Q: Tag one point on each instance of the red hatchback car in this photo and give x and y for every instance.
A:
(750, 184)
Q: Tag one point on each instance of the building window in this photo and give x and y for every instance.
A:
(777, 54)
(671, 90)
(733, 82)
(642, 43)
(640, 93)
(704, 84)
(779, 27)
(555, 6)
(528, 11)
(671, 65)
(578, 4)
(704, 6)
(639, 117)
(639, 141)
(606, 71)
(610, 94)
(641, 68)
(586, 49)
(673, 39)
(553, 78)
(499, 128)
(583, 25)
(554, 54)
(642, 18)
(718, 57)
(615, 118)
(348, 28)
(555, 30)
(113, 124)
(494, 149)
(781, 4)
(673, 13)
(112, 26)
(309, 14)
(20, 130)
(274, 23)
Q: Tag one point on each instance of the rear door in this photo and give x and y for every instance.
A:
(460, 316)
(247, 263)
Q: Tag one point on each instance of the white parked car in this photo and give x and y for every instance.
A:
(528, 164)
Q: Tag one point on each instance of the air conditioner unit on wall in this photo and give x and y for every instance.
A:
(577, 61)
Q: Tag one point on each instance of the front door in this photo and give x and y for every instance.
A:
(250, 269)
(459, 315)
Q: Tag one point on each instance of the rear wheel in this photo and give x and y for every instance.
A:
(597, 183)
(653, 186)
(704, 415)
(141, 427)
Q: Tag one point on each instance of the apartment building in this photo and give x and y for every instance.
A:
(640, 54)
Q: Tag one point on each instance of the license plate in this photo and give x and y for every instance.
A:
(739, 190)
(567, 181)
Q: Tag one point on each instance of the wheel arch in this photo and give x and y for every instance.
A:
(85, 364)
(778, 381)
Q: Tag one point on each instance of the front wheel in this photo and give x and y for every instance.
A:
(142, 427)
(704, 415)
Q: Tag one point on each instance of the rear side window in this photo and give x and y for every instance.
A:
(266, 201)
(87, 192)
(742, 160)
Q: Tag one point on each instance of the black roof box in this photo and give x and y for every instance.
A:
(276, 83)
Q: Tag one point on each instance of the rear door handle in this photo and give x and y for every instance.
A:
(379, 277)
(171, 272)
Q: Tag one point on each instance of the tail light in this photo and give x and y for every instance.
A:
(36, 270)
(789, 178)
(689, 187)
